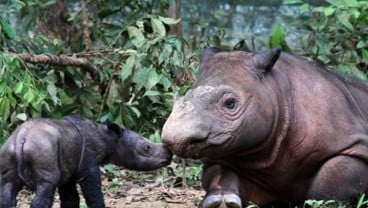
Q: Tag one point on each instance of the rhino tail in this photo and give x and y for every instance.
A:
(19, 153)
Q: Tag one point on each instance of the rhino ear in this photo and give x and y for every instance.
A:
(266, 60)
(208, 52)
(113, 127)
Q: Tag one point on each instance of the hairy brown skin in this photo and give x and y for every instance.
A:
(47, 153)
(271, 126)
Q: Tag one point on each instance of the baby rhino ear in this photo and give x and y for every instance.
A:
(266, 59)
(113, 127)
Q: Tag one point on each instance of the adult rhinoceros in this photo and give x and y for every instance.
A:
(271, 126)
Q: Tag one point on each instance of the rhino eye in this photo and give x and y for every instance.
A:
(147, 149)
(229, 103)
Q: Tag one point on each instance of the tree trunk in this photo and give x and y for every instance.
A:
(174, 12)
(53, 21)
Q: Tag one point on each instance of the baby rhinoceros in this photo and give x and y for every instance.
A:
(45, 154)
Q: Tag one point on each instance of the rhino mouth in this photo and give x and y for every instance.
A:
(204, 148)
(165, 162)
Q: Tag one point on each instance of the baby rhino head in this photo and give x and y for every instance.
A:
(134, 152)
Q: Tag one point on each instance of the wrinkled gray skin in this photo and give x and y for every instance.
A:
(48, 153)
(271, 127)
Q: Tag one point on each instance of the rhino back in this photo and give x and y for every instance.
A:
(326, 111)
(323, 100)
(50, 146)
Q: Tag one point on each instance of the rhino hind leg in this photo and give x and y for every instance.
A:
(69, 197)
(44, 196)
(10, 185)
(342, 177)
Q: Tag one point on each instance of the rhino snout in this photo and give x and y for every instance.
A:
(166, 155)
(161, 155)
(185, 140)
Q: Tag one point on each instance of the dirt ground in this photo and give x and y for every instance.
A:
(135, 190)
(137, 197)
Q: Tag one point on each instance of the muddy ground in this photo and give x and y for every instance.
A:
(132, 189)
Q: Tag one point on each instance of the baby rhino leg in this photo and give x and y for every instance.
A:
(9, 188)
(342, 177)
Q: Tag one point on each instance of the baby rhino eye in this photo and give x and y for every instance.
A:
(147, 149)
(229, 103)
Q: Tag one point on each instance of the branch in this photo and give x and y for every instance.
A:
(57, 60)
(85, 23)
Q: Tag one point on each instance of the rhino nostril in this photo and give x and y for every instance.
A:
(196, 140)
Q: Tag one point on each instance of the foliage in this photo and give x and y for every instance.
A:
(362, 202)
(139, 66)
(321, 203)
(338, 34)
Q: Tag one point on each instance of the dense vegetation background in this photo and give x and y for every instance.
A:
(123, 60)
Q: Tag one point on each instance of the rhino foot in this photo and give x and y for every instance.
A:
(222, 201)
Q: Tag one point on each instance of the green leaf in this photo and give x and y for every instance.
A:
(328, 11)
(158, 27)
(165, 54)
(135, 110)
(4, 108)
(361, 44)
(344, 20)
(166, 82)
(6, 28)
(12, 100)
(177, 43)
(304, 8)
(168, 20)
(365, 55)
(127, 68)
(17, 4)
(343, 3)
(137, 35)
(107, 12)
(22, 116)
(18, 87)
(361, 75)
(52, 91)
(113, 96)
(286, 2)
(152, 93)
(278, 38)
(141, 77)
(29, 96)
(2, 87)
(153, 78)
(356, 13)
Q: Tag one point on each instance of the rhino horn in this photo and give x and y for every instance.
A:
(265, 60)
(208, 52)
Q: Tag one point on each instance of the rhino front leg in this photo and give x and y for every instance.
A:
(69, 197)
(9, 188)
(342, 177)
(221, 186)
(91, 188)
